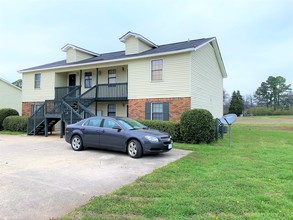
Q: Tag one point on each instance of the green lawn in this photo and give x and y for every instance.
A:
(12, 132)
(252, 179)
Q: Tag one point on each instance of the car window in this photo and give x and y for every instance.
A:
(108, 123)
(95, 122)
(131, 124)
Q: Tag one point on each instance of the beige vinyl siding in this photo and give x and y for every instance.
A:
(142, 46)
(206, 81)
(121, 108)
(121, 74)
(61, 80)
(10, 97)
(73, 55)
(46, 90)
(134, 45)
(175, 83)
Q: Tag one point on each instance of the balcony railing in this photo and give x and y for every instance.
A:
(67, 92)
(117, 91)
(101, 92)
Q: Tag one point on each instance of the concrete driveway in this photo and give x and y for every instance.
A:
(43, 178)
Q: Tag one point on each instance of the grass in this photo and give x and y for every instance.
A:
(252, 179)
(12, 132)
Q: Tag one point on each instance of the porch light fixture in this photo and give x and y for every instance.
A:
(123, 68)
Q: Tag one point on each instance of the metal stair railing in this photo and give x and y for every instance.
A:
(36, 119)
(69, 115)
(86, 112)
(73, 94)
(89, 94)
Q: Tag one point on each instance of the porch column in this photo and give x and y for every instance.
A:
(80, 79)
(97, 82)
(46, 127)
(62, 128)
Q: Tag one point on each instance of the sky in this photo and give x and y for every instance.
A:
(255, 36)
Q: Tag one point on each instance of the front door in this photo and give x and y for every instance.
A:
(72, 80)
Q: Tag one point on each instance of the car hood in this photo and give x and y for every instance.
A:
(152, 132)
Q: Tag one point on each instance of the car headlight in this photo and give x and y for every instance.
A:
(152, 139)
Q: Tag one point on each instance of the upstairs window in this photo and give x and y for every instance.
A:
(37, 81)
(88, 78)
(157, 70)
(111, 76)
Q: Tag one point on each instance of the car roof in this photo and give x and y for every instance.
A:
(107, 117)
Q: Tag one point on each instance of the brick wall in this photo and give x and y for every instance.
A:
(136, 107)
(26, 107)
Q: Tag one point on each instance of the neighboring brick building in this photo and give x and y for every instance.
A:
(145, 81)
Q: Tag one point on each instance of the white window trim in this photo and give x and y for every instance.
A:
(35, 80)
(162, 70)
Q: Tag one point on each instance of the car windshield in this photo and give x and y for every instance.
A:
(131, 124)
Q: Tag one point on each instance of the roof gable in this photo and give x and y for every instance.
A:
(68, 46)
(74, 53)
(139, 37)
(10, 84)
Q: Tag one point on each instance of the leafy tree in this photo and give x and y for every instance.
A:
(248, 101)
(273, 93)
(18, 83)
(226, 101)
(236, 104)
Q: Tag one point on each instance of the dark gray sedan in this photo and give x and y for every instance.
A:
(119, 134)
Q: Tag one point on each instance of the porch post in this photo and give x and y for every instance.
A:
(46, 127)
(97, 82)
(62, 128)
(80, 78)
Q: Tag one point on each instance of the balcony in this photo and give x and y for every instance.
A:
(100, 92)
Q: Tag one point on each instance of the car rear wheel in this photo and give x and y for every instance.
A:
(76, 143)
(134, 149)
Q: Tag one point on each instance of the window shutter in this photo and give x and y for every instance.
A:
(166, 111)
(148, 111)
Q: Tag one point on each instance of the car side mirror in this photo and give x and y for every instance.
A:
(116, 127)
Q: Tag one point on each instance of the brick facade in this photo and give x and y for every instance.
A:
(136, 107)
(26, 107)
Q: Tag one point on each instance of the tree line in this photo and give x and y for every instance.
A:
(273, 94)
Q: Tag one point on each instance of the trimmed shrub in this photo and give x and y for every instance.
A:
(197, 126)
(167, 126)
(15, 123)
(5, 112)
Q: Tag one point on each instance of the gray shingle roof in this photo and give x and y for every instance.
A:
(173, 47)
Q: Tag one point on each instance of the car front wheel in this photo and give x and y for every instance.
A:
(134, 149)
(76, 143)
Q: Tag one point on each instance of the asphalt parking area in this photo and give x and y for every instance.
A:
(43, 178)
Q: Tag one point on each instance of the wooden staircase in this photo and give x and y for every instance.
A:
(68, 110)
